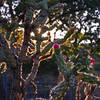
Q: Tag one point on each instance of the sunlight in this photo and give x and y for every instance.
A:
(39, 30)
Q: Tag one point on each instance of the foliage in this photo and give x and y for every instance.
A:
(75, 70)
(23, 24)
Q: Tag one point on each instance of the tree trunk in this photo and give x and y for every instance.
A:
(17, 92)
(5, 85)
(11, 86)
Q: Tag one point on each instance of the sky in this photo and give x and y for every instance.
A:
(59, 33)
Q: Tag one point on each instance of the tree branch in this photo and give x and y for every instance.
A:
(3, 21)
(7, 54)
(33, 73)
(35, 87)
(1, 2)
(27, 59)
(68, 34)
(25, 42)
(46, 56)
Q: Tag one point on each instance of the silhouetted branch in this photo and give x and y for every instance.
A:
(6, 52)
(33, 73)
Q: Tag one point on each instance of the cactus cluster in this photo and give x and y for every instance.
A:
(78, 73)
(40, 16)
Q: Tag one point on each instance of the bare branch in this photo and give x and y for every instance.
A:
(68, 34)
(33, 73)
(5, 49)
(35, 86)
(26, 40)
(1, 2)
(47, 48)
(46, 56)
(27, 59)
